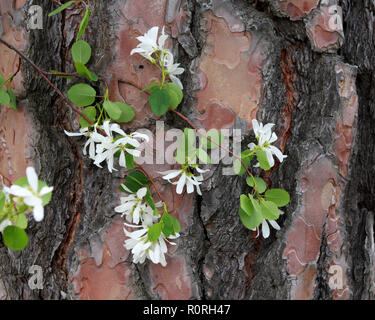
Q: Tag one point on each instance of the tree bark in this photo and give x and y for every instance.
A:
(276, 61)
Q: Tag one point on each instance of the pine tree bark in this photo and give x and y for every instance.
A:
(275, 60)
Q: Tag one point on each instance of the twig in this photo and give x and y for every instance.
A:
(43, 74)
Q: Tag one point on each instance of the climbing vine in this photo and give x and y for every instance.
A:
(108, 143)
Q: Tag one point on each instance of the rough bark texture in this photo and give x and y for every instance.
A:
(282, 61)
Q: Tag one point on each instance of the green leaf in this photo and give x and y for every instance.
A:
(203, 156)
(127, 112)
(20, 221)
(84, 23)
(22, 182)
(83, 71)
(4, 97)
(269, 210)
(1, 80)
(186, 151)
(159, 100)
(278, 196)
(59, 9)
(90, 113)
(170, 224)
(112, 109)
(12, 97)
(246, 205)
(149, 199)
(134, 181)
(261, 185)
(15, 238)
(262, 159)
(214, 135)
(129, 161)
(82, 94)
(81, 52)
(237, 165)
(251, 221)
(154, 232)
(151, 86)
(175, 94)
(2, 200)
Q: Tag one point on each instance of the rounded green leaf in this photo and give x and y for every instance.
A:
(127, 112)
(81, 52)
(90, 113)
(112, 109)
(175, 94)
(15, 238)
(261, 185)
(4, 97)
(154, 232)
(262, 159)
(82, 94)
(269, 210)
(278, 196)
(20, 221)
(246, 205)
(134, 181)
(251, 221)
(160, 101)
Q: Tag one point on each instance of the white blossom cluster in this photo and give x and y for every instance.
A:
(137, 211)
(150, 47)
(105, 147)
(30, 195)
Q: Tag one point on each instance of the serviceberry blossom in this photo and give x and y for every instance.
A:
(142, 248)
(136, 210)
(115, 141)
(90, 141)
(174, 70)
(150, 46)
(266, 228)
(187, 178)
(31, 195)
(265, 137)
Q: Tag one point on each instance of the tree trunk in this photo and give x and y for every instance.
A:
(278, 61)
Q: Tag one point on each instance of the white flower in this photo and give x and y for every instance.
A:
(187, 178)
(105, 144)
(30, 194)
(266, 228)
(149, 43)
(142, 248)
(108, 145)
(136, 210)
(173, 70)
(5, 224)
(90, 141)
(265, 137)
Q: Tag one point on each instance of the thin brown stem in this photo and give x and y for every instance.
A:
(43, 74)
(6, 177)
(152, 182)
